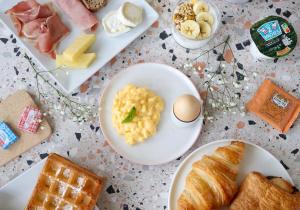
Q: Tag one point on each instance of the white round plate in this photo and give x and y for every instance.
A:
(170, 141)
(255, 159)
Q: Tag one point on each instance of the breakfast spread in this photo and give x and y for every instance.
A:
(187, 108)
(40, 23)
(272, 37)
(259, 192)
(74, 55)
(212, 181)
(123, 20)
(30, 119)
(79, 14)
(7, 136)
(136, 113)
(63, 184)
(274, 105)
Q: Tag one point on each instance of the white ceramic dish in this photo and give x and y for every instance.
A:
(106, 47)
(196, 44)
(256, 159)
(16, 193)
(170, 141)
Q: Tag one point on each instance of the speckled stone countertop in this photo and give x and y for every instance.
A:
(132, 186)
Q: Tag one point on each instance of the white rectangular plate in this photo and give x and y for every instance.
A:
(15, 194)
(106, 47)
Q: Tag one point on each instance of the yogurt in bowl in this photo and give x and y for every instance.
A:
(195, 22)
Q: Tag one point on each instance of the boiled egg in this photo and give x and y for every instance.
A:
(187, 108)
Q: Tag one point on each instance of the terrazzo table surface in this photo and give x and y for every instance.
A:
(132, 186)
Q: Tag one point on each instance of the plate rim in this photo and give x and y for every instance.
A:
(154, 15)
(128, 69)
(41, 162)
(216, 142)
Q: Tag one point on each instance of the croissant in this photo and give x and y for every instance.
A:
(258, 192)
(211, 183)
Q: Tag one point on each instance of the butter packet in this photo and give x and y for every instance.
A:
(275, 106)
(7, 136)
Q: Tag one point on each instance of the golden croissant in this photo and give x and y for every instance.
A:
(258, 192)
(211, 183)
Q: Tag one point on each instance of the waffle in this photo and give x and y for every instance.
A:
(63, 185)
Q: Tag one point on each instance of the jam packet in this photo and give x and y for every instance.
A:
(274, 105)
(7, 136)
(30, 119)
(272, 37)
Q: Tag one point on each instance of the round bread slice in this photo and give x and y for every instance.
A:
(94, 5)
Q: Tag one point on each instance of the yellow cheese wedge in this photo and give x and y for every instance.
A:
(79, 46)
(83, 61)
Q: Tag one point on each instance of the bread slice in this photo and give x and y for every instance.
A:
(94, 5)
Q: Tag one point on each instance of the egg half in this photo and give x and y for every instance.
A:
(187, 108)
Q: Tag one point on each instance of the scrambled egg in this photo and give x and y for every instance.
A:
(143, 124)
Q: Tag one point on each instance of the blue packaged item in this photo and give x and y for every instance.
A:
(7, 136)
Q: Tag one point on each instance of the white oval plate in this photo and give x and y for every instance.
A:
(255, 159)
(170, 141)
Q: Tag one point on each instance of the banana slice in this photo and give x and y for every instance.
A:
(200, 6)
(206, 17)
(205, 30)
(190, 29)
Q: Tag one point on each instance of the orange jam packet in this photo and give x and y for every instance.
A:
(274, 105)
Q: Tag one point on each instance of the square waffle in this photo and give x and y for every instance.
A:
(63, 185)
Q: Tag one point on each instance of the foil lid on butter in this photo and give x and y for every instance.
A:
(274, 36)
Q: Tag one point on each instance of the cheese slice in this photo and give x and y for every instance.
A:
(83, 61)
(79, 46)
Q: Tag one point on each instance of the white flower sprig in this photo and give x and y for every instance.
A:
(222, 81)
(64, 104)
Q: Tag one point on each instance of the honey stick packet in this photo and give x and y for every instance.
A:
(275, 106)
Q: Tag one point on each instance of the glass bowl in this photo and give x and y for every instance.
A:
(192, 43)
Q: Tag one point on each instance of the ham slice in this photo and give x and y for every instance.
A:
(78, 13)
(54, 31)
(39, 23)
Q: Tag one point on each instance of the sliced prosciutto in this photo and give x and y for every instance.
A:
(78, 13)
(53, 29)
(40, 23)
(34, 28)
(41, 11)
